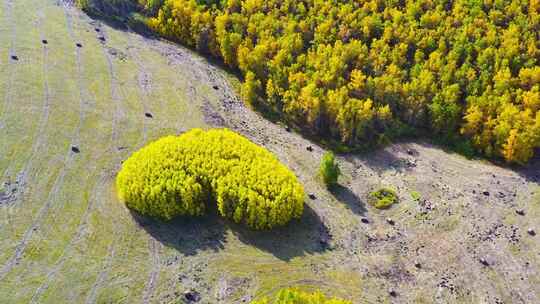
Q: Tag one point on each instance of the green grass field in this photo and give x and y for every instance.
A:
(65, 238)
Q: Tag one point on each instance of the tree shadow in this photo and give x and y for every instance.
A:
(349, 198)
(189, 235)
(398, 157)
(531, 171)
(307, 235)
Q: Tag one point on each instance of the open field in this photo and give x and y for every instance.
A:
(69, 115)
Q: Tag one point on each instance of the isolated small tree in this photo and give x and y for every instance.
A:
(329, 169)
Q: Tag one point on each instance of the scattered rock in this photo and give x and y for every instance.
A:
(8, 192)
(101, 38)
(312, 196)
(97, 30)
(531, 232)
(520, 212)
(410, 163)
(44, 41)
(390, 221)
(483, 262)
(392, 293)
(14, 57)
(78, 45)
(364, 220)
(417, 265)
(192, 296)
(309, 148)
(486, 193)
(288, 129)
(211, 116)
(148, 114)
(75, 149)
(410, 152)
(215, 87)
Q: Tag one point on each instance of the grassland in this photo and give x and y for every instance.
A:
(65, 238)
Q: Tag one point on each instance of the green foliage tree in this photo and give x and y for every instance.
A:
(329, 169)
(295, 296)
(181, 175)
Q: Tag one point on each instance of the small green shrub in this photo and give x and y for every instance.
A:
(329, 169)
(415, 195)
(295, 296)
(383, 198)
(181, 175)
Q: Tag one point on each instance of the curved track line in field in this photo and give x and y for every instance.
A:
(154, 246)
(39, 140)
(78, 235)
(8, 11)
(116, 97)
(177, 57)
(80, 79)
(142, 76)
(150, 286)
(23, 243)
(115, 94)
(84, 219)
(19, 249)
(111, 250)
(102, 275)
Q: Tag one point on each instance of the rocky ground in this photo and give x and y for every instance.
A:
(74, 107)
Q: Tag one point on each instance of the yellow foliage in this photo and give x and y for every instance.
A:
(180, 175)
(358, 71)
(295, 296)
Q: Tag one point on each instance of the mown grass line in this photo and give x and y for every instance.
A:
(83, 97)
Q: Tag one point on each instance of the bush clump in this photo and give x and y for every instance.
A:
(383, 198)
(329, 170)
(181, 175)
(294, 296)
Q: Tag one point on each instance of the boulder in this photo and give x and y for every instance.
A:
(192, 296)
